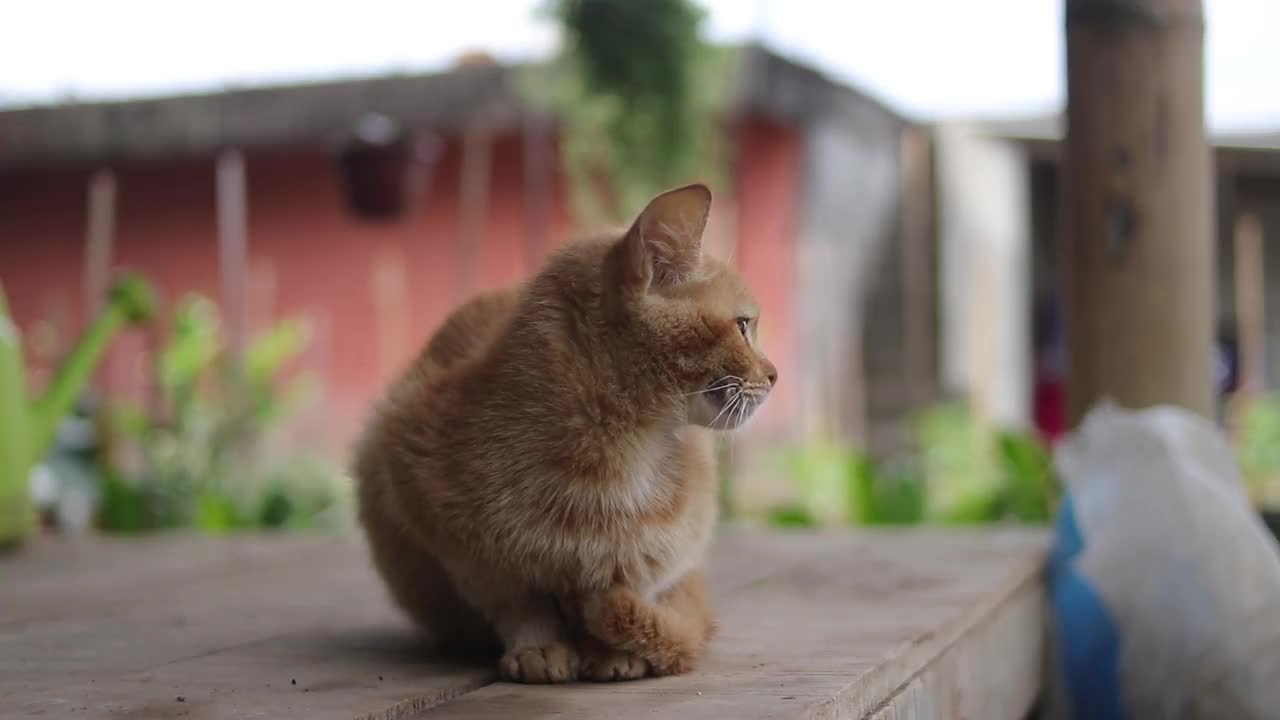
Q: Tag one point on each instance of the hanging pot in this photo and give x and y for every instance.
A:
(374, 165)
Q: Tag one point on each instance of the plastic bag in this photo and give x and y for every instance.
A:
(1164, 584)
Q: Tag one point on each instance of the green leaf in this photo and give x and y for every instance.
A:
(277, 510)
(962, 473)
(135, 297)
(899, 494)
(864, 504)
(123, 508)
(791, 516)
(216, 513)
(1028, 477)
(268, 353)
(193, 346)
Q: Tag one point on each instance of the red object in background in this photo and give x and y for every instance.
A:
(1050, 407)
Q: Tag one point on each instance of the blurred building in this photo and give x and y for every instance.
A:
(373, 206)
(1001, 331)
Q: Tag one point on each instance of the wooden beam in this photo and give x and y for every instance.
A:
(1138, 257)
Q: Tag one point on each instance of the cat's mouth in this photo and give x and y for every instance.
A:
(733, 403)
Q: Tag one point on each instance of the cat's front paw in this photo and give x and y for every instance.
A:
(553, 663)
(608, 665)
(617, 617)
(669, 642)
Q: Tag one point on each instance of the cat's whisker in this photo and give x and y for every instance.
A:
(728, 382)
(712, 388)
(738, 405)
(732, 406)
(733, 442)
(728, 404)
(744, 409)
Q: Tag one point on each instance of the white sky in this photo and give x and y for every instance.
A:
(927, 58)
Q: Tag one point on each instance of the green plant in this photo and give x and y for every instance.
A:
(896, 493)
(27, 430)
(825, 490)
(638, 93)
(1257, 447)
(962, 474)
(1030, 492)
(213, 456)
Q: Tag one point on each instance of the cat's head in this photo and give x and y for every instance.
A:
(690, 314)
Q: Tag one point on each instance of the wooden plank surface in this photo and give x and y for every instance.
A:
(912, 624)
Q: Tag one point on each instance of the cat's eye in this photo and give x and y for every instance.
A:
(743, 325)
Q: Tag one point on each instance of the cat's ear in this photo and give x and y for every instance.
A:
(664, 245)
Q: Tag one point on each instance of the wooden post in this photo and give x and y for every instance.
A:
(99, 244)
(391, 304)
(1138, 257)
(1251, 323)
(538, 146)
(100, 233)
(916, 225)
(260, 301)
(477, 166)
(233, 231)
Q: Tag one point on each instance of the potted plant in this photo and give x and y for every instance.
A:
(27, 429)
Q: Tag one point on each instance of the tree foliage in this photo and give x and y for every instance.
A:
(637, 91)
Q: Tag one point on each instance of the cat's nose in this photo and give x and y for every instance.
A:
(771, 372)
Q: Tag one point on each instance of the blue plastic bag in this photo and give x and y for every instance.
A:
(1164, 584)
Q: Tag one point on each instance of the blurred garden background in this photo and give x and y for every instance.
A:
(210, 276)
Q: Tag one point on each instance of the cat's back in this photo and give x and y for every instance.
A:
(470, 329)
(409, 411)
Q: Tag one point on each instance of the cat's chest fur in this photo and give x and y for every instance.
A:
(652, 523)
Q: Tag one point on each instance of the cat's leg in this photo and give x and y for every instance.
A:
(421, 587)
(689, 598)
(536, 645)
(670, 633)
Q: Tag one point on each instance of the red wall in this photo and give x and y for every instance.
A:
(309, 255)
(768, 183)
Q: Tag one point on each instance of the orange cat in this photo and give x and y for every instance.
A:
(541, 480)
